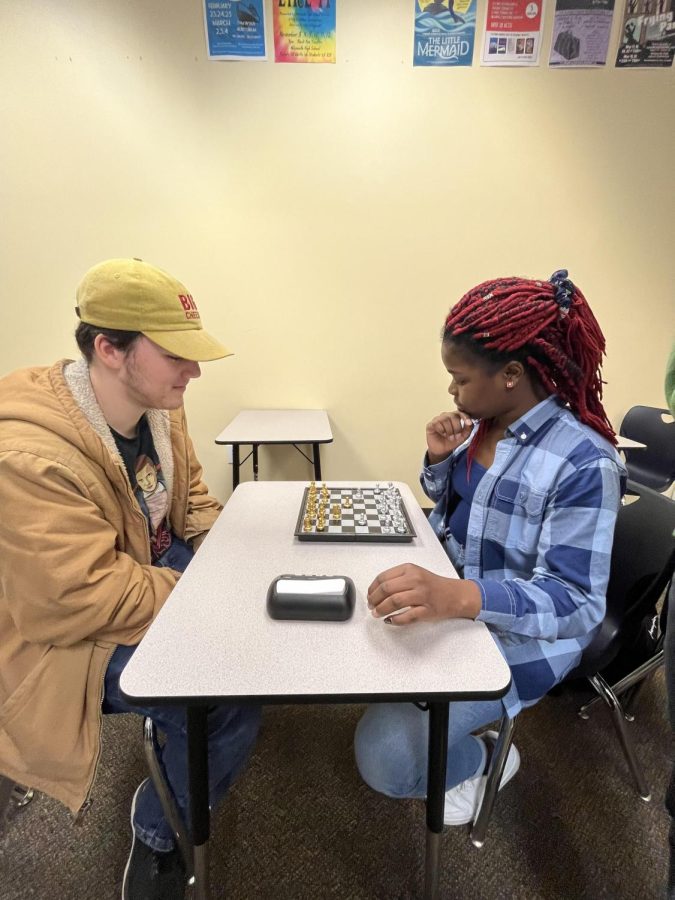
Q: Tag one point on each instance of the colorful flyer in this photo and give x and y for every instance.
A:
(304, 31)
(512, 33)
(647, 34)
(581, 32)
(444, 32)
(235, 29)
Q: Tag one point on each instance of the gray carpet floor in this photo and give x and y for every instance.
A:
(300, 824)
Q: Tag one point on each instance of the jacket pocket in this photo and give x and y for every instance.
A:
(47, 720)
(16, 700)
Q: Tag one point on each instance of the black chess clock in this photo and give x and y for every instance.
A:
(324, 598)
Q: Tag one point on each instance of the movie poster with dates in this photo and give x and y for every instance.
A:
(304, 31)
(235, 29)
(512, 33)
(444, 32)
(647, 34)
(581, 33)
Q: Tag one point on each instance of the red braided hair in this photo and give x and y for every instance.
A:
(550, 327)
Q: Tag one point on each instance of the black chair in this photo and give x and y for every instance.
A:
(12, 796)
(166, 799)
(655, 464)
(643, 560)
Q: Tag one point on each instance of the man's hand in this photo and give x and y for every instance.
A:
(429, 597)
(445, 433)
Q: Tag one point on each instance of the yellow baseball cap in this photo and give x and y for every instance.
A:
(132, 295)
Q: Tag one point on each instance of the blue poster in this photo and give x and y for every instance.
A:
(444, 32)
(235, 29)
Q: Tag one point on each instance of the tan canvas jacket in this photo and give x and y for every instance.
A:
(75, 571)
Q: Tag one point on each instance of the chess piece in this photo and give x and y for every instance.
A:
(347, 501)
(306, 524)
(320, 524)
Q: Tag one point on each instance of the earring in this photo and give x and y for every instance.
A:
(509, 384)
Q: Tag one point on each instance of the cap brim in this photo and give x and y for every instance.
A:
(195, 344)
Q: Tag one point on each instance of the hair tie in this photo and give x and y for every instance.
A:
(563, 290)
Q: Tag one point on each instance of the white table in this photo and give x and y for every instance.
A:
(626, 443)
(276, 426)
(213, 640)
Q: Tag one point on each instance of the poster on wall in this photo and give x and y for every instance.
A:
(235, 29)
(444, 32)
(647, 34)
(512, 33)
(304, 31)
(581, 31)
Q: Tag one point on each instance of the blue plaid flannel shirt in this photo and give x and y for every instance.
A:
(539, 542)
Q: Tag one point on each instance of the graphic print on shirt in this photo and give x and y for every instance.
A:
(153, 499)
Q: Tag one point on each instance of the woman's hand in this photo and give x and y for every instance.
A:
(445, 433)
(426, 596)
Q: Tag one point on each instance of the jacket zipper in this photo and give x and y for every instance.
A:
(84, 809)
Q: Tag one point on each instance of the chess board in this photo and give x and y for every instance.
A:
(377, 515)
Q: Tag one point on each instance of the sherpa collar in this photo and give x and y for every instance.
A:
(76, 375)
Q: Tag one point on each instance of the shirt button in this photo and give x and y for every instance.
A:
(523, 437)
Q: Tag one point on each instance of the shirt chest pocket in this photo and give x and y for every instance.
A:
(516, 514)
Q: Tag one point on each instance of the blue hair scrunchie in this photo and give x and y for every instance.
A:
(563, 290)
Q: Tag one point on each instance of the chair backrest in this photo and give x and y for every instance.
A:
(655, 464)
(643, 560)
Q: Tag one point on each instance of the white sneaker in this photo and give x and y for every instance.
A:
(463, 801)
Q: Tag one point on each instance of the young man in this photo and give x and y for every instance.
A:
(103, 507)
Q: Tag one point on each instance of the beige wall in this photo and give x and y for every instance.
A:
(325, 217)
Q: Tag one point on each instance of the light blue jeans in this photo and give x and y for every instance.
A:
(391, 745)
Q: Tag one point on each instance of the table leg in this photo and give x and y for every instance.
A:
(255, 462)
(235, 465)
(198, 771)
(317, 462)
(438, 759)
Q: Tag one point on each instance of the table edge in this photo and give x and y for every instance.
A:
(260, 442)
(292, 699)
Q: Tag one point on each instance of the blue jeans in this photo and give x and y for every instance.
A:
(392, 740)
(232, 731)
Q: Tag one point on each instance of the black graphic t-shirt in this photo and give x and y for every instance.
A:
(147, 480)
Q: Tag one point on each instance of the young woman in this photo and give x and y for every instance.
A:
(527, 484)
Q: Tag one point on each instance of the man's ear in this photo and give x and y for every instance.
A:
(107, 354)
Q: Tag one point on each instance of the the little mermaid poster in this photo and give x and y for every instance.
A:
(444, 32)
